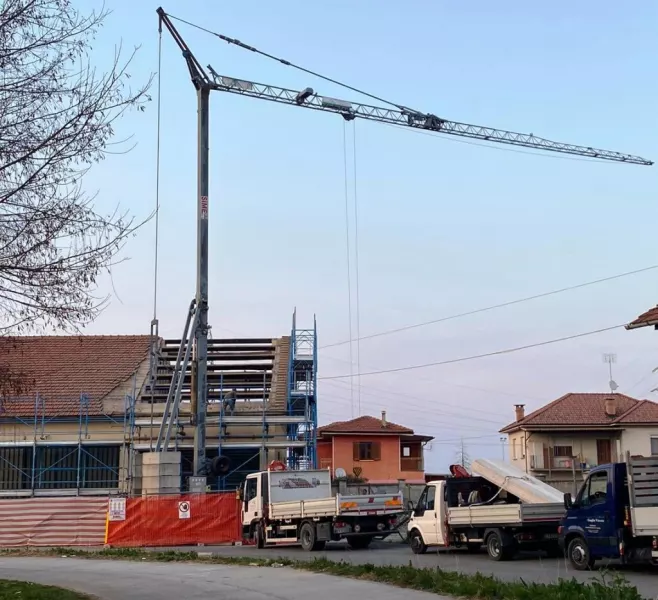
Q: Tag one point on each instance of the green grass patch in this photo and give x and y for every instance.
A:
(18, 590)
(606, 586)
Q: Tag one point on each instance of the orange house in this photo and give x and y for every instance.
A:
(373, 449)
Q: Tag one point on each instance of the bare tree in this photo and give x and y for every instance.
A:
(57, 118)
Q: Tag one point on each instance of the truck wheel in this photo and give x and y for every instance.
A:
(308, 538)
(359, 543)
(416, 543)
(579, 555)
(496, 548)
(259, 536)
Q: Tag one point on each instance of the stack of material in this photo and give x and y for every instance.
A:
(526, 488)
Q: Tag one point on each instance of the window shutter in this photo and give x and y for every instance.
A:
(376, 451)
(355, 451)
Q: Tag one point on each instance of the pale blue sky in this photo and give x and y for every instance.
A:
(445, 227)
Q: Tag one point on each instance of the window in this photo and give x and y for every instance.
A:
(595, 489)
(252, 489)
(366, 451)
(654, 446)
(431, 495)
(563, 451)
(406, 451)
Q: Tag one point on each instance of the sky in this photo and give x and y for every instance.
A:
(444, 227)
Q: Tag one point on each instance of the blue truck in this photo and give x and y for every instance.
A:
(614, 515)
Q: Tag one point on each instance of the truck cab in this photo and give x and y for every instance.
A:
(612, 516)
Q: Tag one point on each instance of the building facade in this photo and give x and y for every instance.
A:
(562, 441)
(373, 450)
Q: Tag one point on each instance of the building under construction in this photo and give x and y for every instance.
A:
(79, 412)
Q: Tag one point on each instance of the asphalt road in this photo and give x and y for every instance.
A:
(125, 580)
(530, 568)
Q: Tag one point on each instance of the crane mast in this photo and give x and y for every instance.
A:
(205, 82)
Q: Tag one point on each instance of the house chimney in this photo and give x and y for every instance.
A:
(611, 407)
(384, 423)
(519, 411)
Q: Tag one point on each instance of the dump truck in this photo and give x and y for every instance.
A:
(614, 515)
(498, 506)
(281, 507)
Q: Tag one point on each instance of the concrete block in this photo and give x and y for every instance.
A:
(161, 472)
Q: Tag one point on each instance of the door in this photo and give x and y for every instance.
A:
(603, 452)
(596, 515)
(425, 515)
(251, 505)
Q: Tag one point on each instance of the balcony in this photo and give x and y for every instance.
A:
(562, 463)
(411, 464)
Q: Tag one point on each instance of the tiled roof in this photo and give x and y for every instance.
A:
(646, 319)
(364, 424)
(61, 368)
(587, 410)
(643, 412)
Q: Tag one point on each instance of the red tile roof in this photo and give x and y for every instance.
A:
(582, 410)
(61, 368)
(646, 319)
(364, 424)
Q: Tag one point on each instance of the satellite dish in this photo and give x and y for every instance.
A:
(613, 385)
(341, 473)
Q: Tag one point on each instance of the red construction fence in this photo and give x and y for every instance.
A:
(52, 522)
(179, 520)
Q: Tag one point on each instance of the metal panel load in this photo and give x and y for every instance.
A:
(526, 488)
(299, 485)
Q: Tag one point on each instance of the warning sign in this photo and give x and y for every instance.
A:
(117, 509)
(183, 510)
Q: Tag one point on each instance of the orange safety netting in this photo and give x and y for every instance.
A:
(180, 520)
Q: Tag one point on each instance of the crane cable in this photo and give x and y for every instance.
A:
(356, 265)
(287, 63)
(349, 270)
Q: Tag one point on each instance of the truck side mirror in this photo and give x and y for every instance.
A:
(240, 494)
(568, 501)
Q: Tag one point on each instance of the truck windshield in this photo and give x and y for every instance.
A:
(595, 489)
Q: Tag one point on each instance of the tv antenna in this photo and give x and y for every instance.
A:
(611, 359)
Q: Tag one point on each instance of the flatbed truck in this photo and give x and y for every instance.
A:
(298, 508)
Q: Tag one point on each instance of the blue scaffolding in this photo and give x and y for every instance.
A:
(302, 395)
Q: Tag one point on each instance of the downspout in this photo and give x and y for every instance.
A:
(526, 437)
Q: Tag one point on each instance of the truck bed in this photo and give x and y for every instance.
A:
(375, 504)
(504, 514)
(643, 490)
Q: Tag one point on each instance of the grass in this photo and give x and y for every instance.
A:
(438, 581)
(18, 590)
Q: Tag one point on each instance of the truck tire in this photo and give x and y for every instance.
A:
(579, 554)
(416, 542)
(497, 549)
(259, 536)
(359, 542)
(308, 538)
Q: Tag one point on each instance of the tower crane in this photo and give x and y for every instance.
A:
(207, 80)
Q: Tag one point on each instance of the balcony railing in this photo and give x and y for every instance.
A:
(411, 464)
(563, 463)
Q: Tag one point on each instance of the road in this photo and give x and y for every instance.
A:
(119, 580)
(530, 568)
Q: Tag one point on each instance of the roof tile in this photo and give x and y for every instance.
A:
(582, 410)
(364, 424)
(61, 368)
(646, 319)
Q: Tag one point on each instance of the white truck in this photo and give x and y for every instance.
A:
(298, 507)
(499, 506)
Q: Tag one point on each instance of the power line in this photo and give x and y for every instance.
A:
(494, 306)
(476, 356)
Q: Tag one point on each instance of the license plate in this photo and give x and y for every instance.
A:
(654, 554)
(550, 536)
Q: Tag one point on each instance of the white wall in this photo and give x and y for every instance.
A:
(637, 440)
